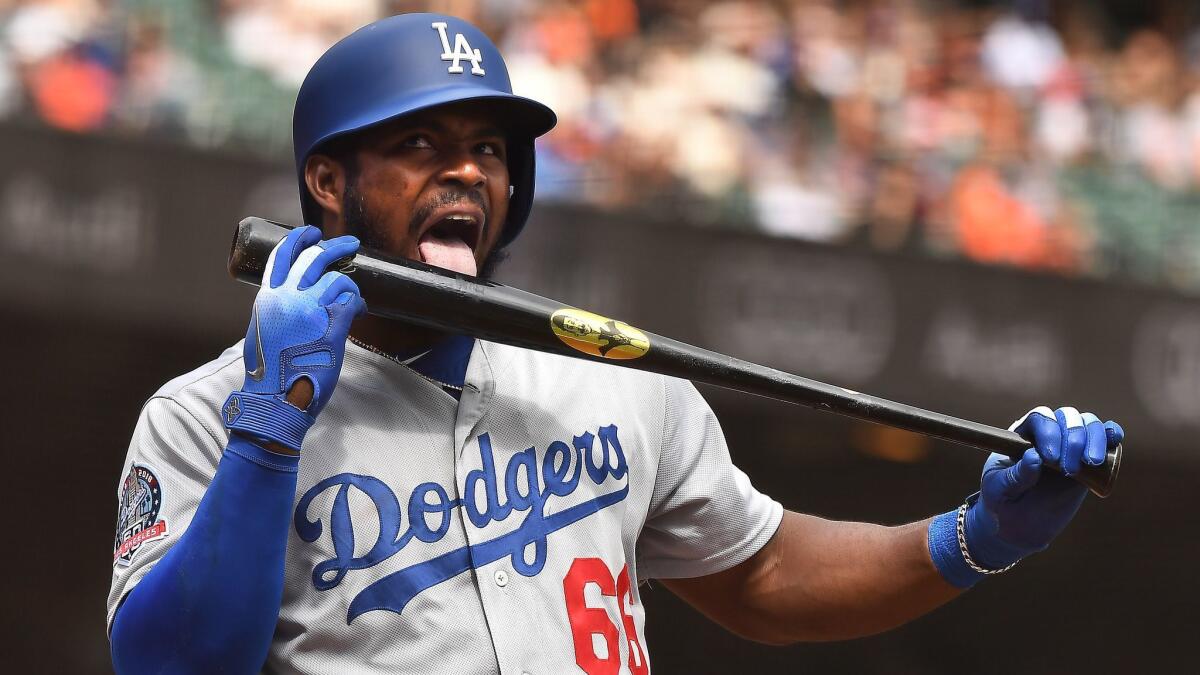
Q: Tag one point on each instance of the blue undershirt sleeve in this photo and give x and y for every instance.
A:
(211, 604)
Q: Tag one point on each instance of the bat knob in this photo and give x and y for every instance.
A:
(253, 241)
(1100, 479)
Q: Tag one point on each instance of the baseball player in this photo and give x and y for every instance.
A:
(342, 493)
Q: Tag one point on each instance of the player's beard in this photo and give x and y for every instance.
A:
(361, 223)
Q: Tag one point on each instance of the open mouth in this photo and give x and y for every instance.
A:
(449, 241)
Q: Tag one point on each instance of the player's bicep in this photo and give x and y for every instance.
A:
(745, 599)
(722, 596)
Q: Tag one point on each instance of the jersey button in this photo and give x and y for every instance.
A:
(501, 578)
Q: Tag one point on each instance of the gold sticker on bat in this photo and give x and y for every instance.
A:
(599, 335)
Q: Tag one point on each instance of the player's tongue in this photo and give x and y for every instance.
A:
(448, 252)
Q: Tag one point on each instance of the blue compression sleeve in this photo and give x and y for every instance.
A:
(211, 604)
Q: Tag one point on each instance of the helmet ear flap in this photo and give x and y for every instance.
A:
(521, 173)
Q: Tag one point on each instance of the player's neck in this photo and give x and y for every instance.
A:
(394, 337)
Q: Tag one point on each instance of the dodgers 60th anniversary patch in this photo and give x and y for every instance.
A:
(139, 502)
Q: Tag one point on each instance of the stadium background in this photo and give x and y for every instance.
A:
(970, 206)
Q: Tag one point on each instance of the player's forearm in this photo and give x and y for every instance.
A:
(211, 604)
(828, 580)
(823, 580)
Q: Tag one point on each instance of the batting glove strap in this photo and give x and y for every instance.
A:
(252, 452)
(268, 417)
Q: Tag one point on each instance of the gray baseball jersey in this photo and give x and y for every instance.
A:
(506, 532)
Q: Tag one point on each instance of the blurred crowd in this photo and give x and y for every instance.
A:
(1035, 133)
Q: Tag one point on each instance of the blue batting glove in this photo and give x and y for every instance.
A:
(1020, 509)
(301, 318)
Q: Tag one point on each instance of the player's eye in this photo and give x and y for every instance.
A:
(490, 148)
(416, 141)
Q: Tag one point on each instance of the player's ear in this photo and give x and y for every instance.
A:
(325, 178)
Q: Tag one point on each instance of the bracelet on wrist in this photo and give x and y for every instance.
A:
(960, 526)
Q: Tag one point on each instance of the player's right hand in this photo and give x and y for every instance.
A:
(297, 331)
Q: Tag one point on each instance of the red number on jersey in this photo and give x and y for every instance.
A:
(587, 622)
(637, 658)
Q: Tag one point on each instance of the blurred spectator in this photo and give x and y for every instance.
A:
(1020, 52)
(285, 37)
(71, 90)
(1146, 86)
(64, 71)
(41, 29)
(160, 84)
(993, 224)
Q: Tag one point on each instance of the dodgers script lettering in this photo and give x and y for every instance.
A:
(528, 487)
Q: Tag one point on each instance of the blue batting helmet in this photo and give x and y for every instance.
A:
(408, 63)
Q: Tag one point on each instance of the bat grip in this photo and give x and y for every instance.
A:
(1099, 478)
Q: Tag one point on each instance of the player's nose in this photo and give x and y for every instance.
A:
(462, 168)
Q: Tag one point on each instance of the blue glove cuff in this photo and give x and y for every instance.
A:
(947, 555)
(268, 417)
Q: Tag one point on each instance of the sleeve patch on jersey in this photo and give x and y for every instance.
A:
(139, 501)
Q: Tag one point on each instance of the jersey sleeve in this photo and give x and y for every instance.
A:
(705, 516)
(172, 458)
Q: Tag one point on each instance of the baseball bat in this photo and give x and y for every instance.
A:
(429, 296)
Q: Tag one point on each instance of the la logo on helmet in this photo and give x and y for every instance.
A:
(462, 50)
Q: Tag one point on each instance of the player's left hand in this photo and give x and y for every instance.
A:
(1022, 508)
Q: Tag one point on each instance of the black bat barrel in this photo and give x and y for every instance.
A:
(421, 294)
